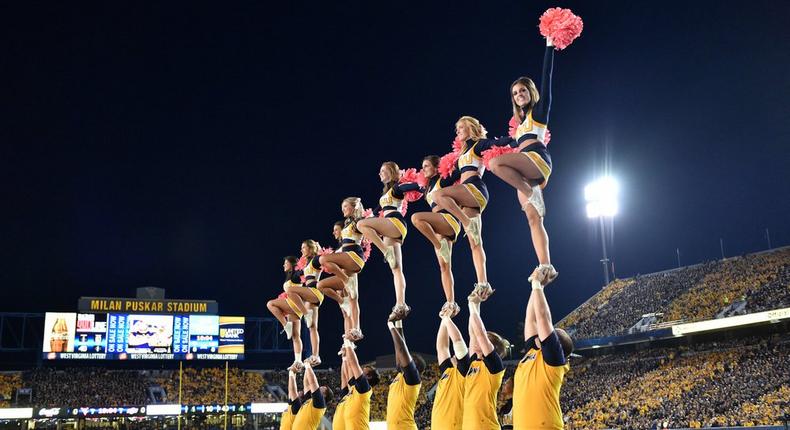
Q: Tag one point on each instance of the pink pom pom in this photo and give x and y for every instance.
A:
(561, 25)
(458, 146)
(512, 126)
(447, 164)
(496, 151)
(324, 251)
(547, 137)
(282, 296)
(367, 213)
(410, 176)
(301, 263)
(404, 206)
(365, 249)
(422, 181)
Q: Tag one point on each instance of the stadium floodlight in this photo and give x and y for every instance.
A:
(601, 197)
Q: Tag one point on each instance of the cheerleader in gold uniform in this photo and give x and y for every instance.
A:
(405, 387)
(529, 169)
(307, 297)
(338, 420)
(448, 402)
(294, 403)
(357, 409)
(467, 200)
(541, 372)
(389, 231)
(313, 409)
(286, 311)
(440, 227)
(346, 264)
(485, 372)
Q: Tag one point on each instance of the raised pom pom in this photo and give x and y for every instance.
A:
(447, 164)
(365, 249)
(367, 213)
(496, 151)
(301, 263)
(410, 176)
(512, 126)
(324, 251)
(561, 25)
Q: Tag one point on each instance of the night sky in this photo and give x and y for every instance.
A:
(191, 147)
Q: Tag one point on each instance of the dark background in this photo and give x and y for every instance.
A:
(192, 146)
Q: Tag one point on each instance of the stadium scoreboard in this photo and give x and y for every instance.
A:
(132, 336)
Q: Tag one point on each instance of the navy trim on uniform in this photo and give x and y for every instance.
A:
(296, 405)
(530, 343)
(553, 353)
(362, 385)
(463, 364)
(446, 364)
(318, 399)
(410, 374)
(493, 363)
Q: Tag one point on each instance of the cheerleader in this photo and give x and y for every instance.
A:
(440, 227)
(467, 200)
(287, 312)
(389, 231)
(448, 402)
(307, 297)
(346, 264)
(528, 170)
(541, 372)
(485, 372)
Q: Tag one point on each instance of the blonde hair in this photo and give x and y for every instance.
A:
(356, 202)
(313, 246)
(476, 130)
(394, 171)
(534, 96)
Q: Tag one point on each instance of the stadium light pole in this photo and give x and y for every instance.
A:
(601, 197)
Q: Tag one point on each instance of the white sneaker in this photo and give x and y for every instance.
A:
(483, 290)
(297, 366)
(444, 250)
(313, 360)
(288, 329)
(473, 230)
(355, 335)
(544, 273)
(536, 200)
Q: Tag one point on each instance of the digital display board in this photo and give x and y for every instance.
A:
(117, 336)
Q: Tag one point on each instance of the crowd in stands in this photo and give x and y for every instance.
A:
(739, 383)
(687, 294)
(86, 387)
(8, 385)
(736, 382)
(207, 386)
